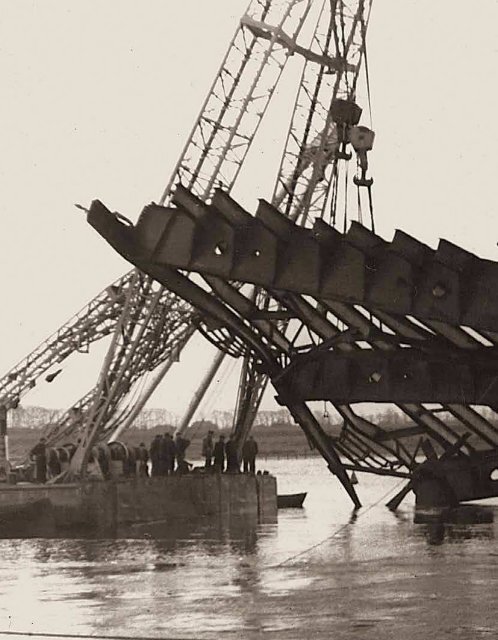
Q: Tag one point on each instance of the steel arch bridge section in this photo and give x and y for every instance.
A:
(288, 278)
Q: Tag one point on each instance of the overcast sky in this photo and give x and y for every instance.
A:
(98, 98)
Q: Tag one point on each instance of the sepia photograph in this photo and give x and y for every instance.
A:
(249, 360)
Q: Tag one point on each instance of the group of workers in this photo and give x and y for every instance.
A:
(222, 456)
(165, 456)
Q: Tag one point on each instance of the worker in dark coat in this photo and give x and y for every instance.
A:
(163, 456)
(232, 458)
(207, 449)
(181, 445)
(219, 455)
(39, 455)
(142, 459)
(53, 463)
(130, 462)
(169, 452)
(155, 455)
(249, 453)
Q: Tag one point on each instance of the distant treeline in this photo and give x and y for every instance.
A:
(283, 439)
(31, 417)
(274, 431)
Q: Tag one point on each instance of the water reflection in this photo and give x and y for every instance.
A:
(320, 568)
(438, 533)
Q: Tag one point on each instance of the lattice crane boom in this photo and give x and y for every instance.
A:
(310, 159)
(96, 320)
(311, 151)
(243, 87)
(216, 149)
(168, 333)
(213, 155)
(221, 144)
(254, 383)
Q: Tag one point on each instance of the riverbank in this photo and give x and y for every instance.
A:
(280, 440)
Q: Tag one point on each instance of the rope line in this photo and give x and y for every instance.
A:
(76, 636)
(338, 530)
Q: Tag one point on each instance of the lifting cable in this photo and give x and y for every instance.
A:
(360, 213)
(346, 183)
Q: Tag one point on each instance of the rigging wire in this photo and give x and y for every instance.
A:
(370, 204)
(335, 188)
(127, 403)
(346, 185)
(364, 25)
(367, 78)
(344, 46)
(367, 69)
(208, 402)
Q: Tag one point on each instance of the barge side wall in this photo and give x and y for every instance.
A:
(106, 505)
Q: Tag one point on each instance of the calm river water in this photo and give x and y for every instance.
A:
(320, 572)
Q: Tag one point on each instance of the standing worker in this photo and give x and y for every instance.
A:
(232, 458)
(249, 453)
(142, 459)
(39, 454)
(207, 449)
(169, 450)
(219, 455)
(53, 463)
(155, 455)
(181, 445)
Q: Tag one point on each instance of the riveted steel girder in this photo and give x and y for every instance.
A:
(402, 277)
(434, 361)
(402, 375)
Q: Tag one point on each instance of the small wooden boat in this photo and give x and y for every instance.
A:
(291, 500)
